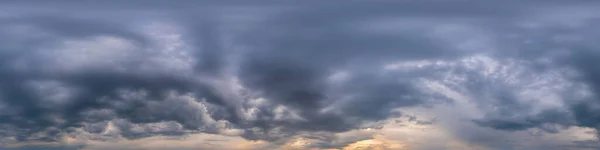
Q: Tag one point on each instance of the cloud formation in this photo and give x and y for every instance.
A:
(293, 74)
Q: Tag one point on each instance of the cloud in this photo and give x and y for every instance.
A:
(43, 148)
(294, 75)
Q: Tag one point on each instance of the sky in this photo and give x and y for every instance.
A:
(299, 75)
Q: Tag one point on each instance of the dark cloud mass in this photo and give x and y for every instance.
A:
(273, 71)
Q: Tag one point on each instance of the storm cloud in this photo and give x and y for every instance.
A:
(275, 72)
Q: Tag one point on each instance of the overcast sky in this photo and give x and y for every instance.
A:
(279, 75)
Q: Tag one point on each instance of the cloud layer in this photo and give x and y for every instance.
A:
(309, 75)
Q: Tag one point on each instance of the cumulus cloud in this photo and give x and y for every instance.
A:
(295, 75)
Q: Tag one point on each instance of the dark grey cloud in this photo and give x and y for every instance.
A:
(568, 47)
(285, 69)
(300, 69)
(44, 148)
(588, 144)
